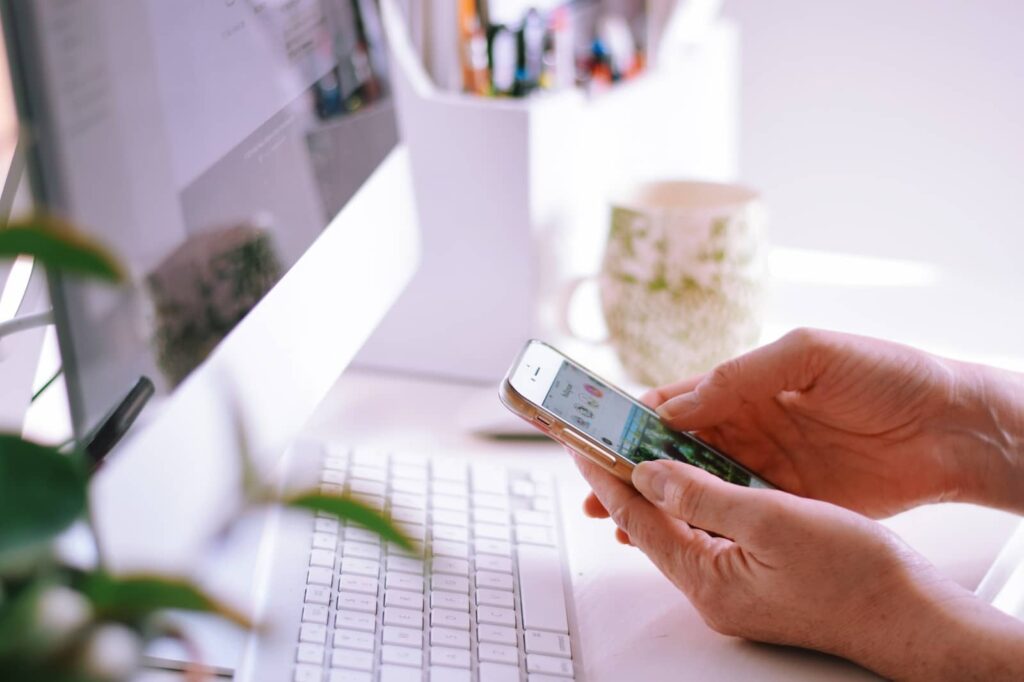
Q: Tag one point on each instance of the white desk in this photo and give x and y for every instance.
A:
(633, 623)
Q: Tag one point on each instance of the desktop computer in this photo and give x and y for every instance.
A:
(242, 159)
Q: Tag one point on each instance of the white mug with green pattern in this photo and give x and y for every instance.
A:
(682, 282)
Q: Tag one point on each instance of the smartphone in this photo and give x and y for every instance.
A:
(602, 422)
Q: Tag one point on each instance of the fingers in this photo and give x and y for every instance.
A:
(705, 501)
(790, 364)
(675, 548)
(657, 396)
(593, 508)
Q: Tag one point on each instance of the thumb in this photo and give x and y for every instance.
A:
(704, 501)
(790, 364)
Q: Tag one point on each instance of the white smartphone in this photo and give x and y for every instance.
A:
(602, 422)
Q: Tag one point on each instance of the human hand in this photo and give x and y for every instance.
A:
(789, 570)
(873, 426)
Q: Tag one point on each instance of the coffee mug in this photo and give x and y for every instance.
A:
(682, 280)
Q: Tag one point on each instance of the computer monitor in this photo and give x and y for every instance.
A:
(241, 159)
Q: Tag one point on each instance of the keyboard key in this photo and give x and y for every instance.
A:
(538, 642)
(485, 597)
(499, 672)
(355, 660)
(372, 474)
(451, 583)
(488, 479)
(332, 490)
(405, 618)
(359, 566)
(542, 590)
(360, 487)
(405, 564)
(360, 534)
(526, 517)
(372, 501)
(534, 535)
(408, 515)
(304, 672)
(449, 619)
(318, 594)
(404, 581)
(336, 462)
(489, 501)
(352, 620)
(370, 458)
(494, 563)
(408, 485)
(315, 613)
(401, 655)
(451, 518)
(327, 541)
(333, 476)
(326, 526)
(549, 665)
(407, 500)
(313, 633)
(358, 583)
(403, 636)
(497, 516)
(354, 639)
(452, 533)
(449, 488)
(360, 550)
(494, 615)
(351, 601)
(542, 504)
(403, 599)
(491, 530)
(499, 547)
(414, 531)
(444, 674)
(538, 677)
(452, 566)
(449, 600)
(456, 658)
(416, 473)
(449, 502)
(497, 634)
(399, 673)
(319, 575)
(493, 581)
(523, 488)
(455, 550)
(343, 675)
(498, 653)
(456, 639)
(322, 557)
(310, 653)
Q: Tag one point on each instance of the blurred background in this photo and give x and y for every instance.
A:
(888, 128)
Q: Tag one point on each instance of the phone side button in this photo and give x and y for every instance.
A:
(581, 445)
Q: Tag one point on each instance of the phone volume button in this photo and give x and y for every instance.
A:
(577, 442)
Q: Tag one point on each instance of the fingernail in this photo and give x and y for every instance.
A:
(677, 406)
(650, 478)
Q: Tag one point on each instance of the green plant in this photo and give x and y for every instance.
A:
(67, 623)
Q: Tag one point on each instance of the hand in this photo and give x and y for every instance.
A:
(794, 571)
(870, 425)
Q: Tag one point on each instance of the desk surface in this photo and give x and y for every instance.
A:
(633, 623)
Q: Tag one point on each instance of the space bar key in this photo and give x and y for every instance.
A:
(542, 589)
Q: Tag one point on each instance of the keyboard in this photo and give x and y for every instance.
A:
(485, 598)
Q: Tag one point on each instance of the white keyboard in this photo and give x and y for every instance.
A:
(486, 603)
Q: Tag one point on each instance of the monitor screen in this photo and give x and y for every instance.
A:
(207, 144)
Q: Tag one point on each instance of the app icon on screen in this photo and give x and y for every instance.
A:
(594, 390)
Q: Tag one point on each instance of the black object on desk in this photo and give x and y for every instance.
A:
(112, 429)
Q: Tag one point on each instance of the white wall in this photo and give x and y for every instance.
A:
(888, 128)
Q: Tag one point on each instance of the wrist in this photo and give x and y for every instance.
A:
(940, 631)
(983, 437)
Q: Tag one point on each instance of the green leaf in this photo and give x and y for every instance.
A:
(60, 247)
(41, 492)
(132, 598)
(352, 509)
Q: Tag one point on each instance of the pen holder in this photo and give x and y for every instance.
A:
(512, 195)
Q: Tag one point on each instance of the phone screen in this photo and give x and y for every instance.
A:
(631, 430)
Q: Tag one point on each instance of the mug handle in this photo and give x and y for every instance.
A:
(566, 298)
